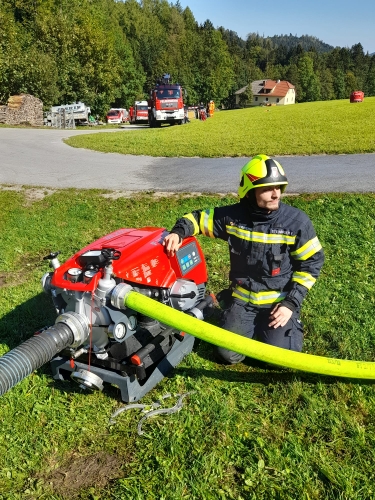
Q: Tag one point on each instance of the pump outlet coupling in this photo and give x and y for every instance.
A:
(118, 295)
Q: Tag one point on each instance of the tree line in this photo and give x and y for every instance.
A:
(110, 52)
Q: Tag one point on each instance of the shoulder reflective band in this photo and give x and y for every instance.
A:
(304, 279)
(248, 347)
(207, 223)
(191, 218)
(260, 237)
(307, 250)
(259, 298)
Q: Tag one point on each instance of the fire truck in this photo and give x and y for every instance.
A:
(166, 103)
(138, 113)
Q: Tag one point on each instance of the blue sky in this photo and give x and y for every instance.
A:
(340, 23)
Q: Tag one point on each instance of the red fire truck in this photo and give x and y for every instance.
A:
(166, 103)
(139, 112)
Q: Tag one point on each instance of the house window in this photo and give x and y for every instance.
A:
(266, 99)
(277, 100)
(255, 98)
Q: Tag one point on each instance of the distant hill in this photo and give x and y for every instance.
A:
(289, 41)
(306, 41)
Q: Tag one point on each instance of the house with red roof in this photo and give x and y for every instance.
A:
(269, 93)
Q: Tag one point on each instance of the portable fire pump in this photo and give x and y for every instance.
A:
(166, 103)
(94, 340)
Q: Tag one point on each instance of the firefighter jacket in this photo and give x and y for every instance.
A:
(273, 257)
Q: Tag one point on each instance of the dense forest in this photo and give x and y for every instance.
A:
(109, 52)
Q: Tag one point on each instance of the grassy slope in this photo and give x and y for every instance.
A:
(247, 432)
(330, 127)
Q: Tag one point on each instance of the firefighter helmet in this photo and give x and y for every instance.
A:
(261, 171)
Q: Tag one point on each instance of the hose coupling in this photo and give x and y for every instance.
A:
(197, 313)
(119, 294)
(78, 324)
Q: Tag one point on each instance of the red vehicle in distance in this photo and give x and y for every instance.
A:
(166, 103)
(139, 112)
(357, 96)
(117, 115)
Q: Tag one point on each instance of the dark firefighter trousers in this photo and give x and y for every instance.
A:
(252, 322)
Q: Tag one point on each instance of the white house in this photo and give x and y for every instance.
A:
(270, 92)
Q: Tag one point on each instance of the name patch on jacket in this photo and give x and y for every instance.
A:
(281, 231)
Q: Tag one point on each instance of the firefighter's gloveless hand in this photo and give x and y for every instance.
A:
(172, 243)
(280, 315)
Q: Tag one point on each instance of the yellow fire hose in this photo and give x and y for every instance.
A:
(247, 347)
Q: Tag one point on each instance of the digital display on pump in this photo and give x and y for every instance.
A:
(188, 257)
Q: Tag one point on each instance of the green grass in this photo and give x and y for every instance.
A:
(329, 127)
(247, 432)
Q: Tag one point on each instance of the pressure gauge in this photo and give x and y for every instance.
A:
(119, 331)
(132, 322)
(74, 274)
(87, 277)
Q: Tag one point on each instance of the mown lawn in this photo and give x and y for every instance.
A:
(327, 127)
(247, 432)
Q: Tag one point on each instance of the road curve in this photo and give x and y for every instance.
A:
(38, 157)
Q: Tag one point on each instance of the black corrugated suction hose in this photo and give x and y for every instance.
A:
(32, 354)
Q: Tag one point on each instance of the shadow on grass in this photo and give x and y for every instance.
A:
(264, 377)
(267, 376)
(25, 319)
(255, 371)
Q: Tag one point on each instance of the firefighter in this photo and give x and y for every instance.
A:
(202, 112)
(275, 257)
(211, 108)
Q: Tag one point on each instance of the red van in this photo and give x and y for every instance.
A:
(117, 115)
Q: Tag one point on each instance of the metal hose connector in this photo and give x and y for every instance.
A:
(32, 354)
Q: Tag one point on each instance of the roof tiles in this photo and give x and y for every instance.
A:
(276, 88)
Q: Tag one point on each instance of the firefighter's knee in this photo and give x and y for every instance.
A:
(288, 337)
(228, 357)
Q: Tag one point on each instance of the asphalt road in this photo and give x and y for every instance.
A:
(40, 158)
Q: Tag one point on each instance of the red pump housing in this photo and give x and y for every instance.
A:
(142, 261)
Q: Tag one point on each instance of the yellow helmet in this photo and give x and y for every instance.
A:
(261, 171)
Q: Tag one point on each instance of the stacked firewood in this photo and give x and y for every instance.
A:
(3, 114)
(23, 109)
